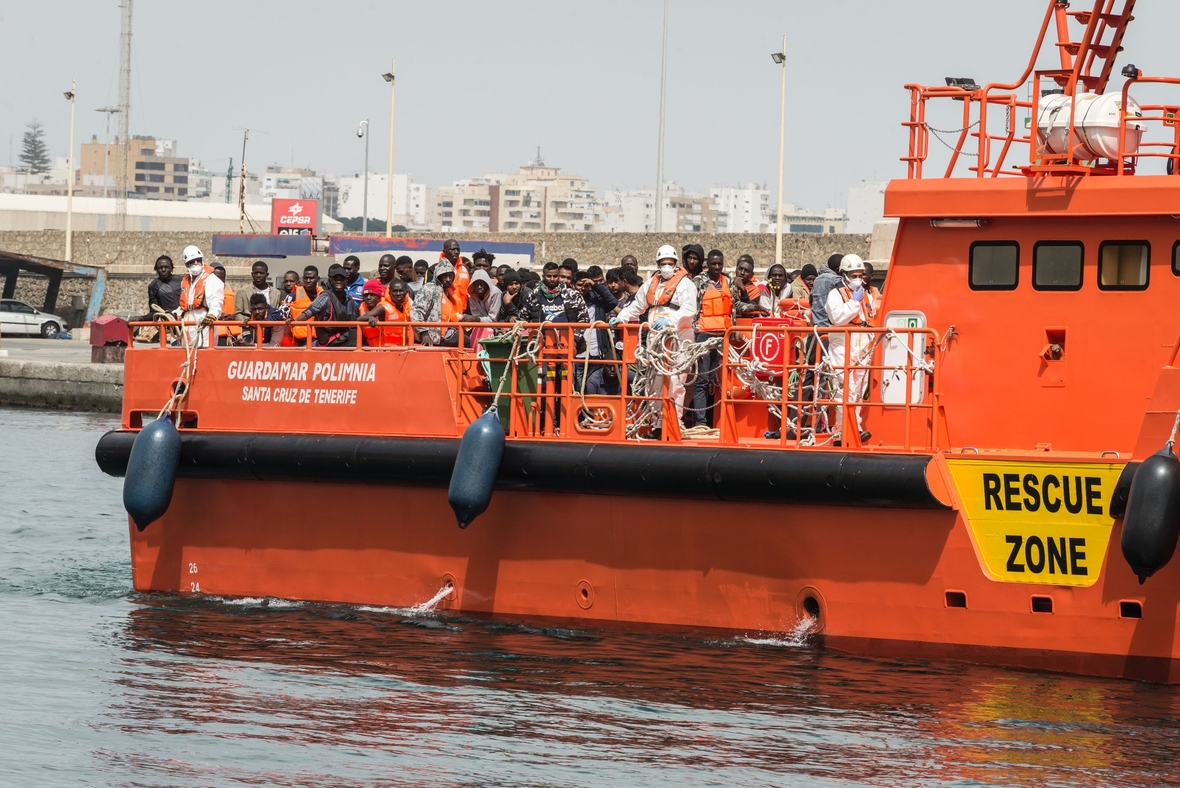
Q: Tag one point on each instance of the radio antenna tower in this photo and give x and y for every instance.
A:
(124, 146)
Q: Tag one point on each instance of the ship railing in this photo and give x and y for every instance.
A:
(974, 139)
(794, 387)
(1085, 67)
(1165, 116)
(776, 385)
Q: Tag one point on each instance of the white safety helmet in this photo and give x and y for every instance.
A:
(192, 253)
(667, 252)
(852, 264)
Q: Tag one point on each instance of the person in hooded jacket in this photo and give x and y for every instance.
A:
(438, 302)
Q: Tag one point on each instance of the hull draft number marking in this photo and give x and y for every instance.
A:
(1038, 522)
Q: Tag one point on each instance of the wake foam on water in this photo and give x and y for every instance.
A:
(799, 637)
(255, 601)
(420, 609)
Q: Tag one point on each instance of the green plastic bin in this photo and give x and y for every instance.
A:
(527, 374)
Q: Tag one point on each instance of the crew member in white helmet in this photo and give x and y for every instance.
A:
(667, 300)
(202, 295)
(851, 304)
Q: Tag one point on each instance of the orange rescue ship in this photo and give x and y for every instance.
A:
(1022, 373)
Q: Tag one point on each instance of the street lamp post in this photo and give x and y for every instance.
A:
(363, 131)
(70, 181)
(660, 164)
(389, 186)
(781, 59)
(106, 146)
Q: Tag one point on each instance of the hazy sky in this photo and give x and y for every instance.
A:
(481, 84)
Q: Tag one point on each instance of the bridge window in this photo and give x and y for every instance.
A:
(995, 265)
(1057, 265)
(1123, 265)
(1176, 259)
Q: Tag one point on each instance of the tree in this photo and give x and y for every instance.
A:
(33, 153)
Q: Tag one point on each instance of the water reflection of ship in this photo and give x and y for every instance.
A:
(379, 680)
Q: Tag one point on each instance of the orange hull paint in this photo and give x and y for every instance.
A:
(880, 579)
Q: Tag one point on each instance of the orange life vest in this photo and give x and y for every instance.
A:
(661, 291)
(198, 291)
(462, 281)
(866, 306)
(227, 309)
(399, 336)
(716, 306)
(299, 305)
(385, 336)
(452, 308)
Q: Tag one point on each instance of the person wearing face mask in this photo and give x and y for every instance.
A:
(667, 300)
(851, 304)
(202, 295)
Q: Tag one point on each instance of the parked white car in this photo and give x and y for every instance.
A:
(17, 317)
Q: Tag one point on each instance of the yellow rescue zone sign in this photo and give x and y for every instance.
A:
(1038, 522)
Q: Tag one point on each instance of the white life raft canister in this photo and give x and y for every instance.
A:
(1096, 125)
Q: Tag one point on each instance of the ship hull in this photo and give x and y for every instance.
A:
(879, 578)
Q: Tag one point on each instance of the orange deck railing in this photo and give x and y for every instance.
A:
(775, 386)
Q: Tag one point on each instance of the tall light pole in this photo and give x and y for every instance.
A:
(660, 165)
(70, 181)
(363, 131)
(106, 146)
(389, 187)
(781, 59)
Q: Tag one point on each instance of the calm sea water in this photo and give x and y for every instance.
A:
(102, 686)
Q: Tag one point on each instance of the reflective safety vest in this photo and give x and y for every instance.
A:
(198, 291)
(661, 291)
(716, 307)
(300, 301)
(866, 306)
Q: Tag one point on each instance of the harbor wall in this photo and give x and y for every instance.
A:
(62, 385)
(128, 257)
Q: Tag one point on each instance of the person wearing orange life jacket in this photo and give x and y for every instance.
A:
(450, 253)
(226, 335)
(202, 296)
(873, 292)
(297, 302)
(373, 309)
(666, 301)
(398, 304)
(851, 304)
(715, 297)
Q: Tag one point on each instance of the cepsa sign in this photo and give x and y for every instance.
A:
(294, 217)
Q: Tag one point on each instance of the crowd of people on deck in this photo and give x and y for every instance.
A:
(691, 293)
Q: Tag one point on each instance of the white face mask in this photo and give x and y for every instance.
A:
(666, 271)
(195, 269)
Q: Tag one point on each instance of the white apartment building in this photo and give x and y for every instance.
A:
(747, 209)
(797, 219)
(537, 198)
(633, 211)
(411, 204)
(866, 206)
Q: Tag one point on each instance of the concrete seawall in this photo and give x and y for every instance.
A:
(62, 385)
